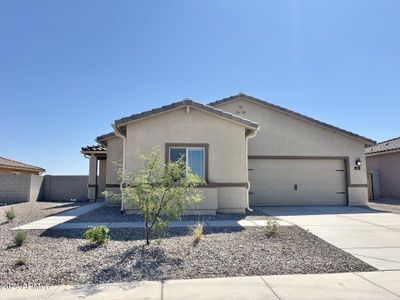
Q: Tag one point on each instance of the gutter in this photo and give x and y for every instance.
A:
(118, 133)
(250, 136)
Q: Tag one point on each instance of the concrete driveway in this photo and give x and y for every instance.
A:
(371, 235)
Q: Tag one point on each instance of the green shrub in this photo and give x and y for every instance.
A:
(160, 191)
(20, 261)
(97, 234)
(20, 238)
(272, 228)
(10, 214)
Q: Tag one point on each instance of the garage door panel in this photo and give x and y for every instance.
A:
(297, 182)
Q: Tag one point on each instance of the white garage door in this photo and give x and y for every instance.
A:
(297, 182)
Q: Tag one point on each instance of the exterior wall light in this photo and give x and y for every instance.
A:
(358, 162)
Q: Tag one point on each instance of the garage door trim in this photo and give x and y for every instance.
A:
(345, 158)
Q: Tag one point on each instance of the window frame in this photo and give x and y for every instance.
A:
(188, 146)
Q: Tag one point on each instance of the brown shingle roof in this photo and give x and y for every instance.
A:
(93, 148)
(290, 112)
(192, 103)
(386, 146)
(9, 163)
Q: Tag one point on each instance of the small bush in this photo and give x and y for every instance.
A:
(272, 228)
(20, 238)
(20, 262)
(97, 234)
(197, 233)
(285, 250)
(10, 214)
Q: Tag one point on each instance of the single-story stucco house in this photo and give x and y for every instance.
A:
(383, 161)
(9, 167)
(250, 153)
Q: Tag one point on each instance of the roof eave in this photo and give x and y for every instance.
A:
(40, 170)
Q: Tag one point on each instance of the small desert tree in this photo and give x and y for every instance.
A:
(160, 191)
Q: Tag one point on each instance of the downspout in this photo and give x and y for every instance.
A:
(250, 136)
(119, 134)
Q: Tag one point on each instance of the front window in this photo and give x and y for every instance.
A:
(194, 157)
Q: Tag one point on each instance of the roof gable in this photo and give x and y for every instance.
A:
(242, 96)
(188, 103)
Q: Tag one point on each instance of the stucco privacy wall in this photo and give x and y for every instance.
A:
(227, 148)
(36, 190)
(64, 188)
(388, 167)
(284, 135)
(28, 187)
(15, 188)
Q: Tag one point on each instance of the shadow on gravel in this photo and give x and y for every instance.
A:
(88, 247)
(135, 234)
(151, 260)
(65, 205)
(10, 247)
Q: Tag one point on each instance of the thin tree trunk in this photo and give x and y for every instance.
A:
(146, 232)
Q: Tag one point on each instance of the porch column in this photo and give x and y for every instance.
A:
(92, 182)
(101, 180)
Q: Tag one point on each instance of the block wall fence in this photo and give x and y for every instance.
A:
(26, 187)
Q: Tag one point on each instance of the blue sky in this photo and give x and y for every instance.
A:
(69, 68)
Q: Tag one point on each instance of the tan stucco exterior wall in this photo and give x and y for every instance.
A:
(114, 165)
(283, 135)
(226, 157)
(388, 167)
(114, 160)
(8, 171)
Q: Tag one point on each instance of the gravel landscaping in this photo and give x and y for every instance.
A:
(63, 257)
(386, 204)
(108, 214)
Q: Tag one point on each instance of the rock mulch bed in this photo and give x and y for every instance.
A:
(63, 257)
(108, 214)
(25, 213)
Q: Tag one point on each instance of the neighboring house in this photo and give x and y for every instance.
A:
(383, 161)
(250, 153)
(9, 166)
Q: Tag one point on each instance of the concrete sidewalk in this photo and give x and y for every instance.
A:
(370, 235)
(57, 223)
(372, 285)
(62, 221)
(61, 218)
